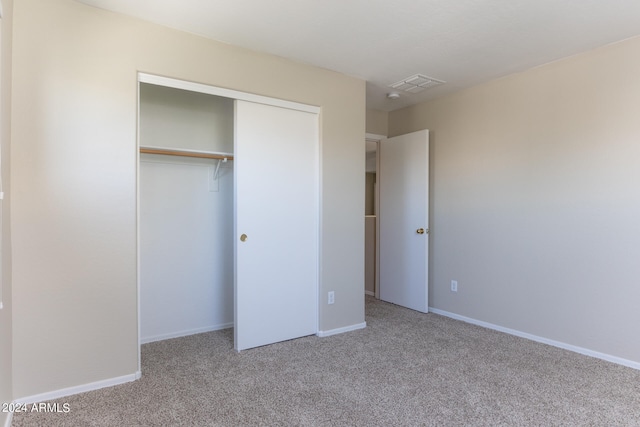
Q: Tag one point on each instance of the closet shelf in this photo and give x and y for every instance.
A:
(186, 153)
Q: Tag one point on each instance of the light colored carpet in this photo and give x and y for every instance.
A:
(404, 369)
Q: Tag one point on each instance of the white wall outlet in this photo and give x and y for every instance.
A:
(331, 297)
(454, 286)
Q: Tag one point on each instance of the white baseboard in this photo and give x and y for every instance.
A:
(373, 294)
(336, 331)
(64, 392)
(185, 333)
(7, 422)
(565, 346)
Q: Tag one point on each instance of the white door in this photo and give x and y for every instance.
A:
(404, 220)
(276, 224)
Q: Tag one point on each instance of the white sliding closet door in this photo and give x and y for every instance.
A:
(277, 209)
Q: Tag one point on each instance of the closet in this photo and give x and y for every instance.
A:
(186, 213)
(228, 213)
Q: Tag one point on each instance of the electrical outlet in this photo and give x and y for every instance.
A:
(331, 297)
(454, 286)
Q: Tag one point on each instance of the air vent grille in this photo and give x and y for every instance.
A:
(416, 83)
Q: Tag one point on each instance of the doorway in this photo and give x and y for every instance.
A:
(370, 215)
(402, 218)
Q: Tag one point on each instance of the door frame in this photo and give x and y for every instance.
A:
(157, 80)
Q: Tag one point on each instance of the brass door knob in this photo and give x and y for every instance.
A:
(243, 238)
(420, 231)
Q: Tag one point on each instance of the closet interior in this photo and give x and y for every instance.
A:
(186, 258)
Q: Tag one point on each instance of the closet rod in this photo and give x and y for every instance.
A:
(182, 153)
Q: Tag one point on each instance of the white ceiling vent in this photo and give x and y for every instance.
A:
(416, 83)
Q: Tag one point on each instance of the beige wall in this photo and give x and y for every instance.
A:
(6, 346)
(74, 177)
(535, 200)
(369, 199)
(377, 122)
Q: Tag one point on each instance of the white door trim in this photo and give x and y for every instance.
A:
(227, 93)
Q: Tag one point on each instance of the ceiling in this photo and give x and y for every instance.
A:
(461, 42)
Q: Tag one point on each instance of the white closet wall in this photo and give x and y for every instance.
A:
(186, 216)
(178, 118)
